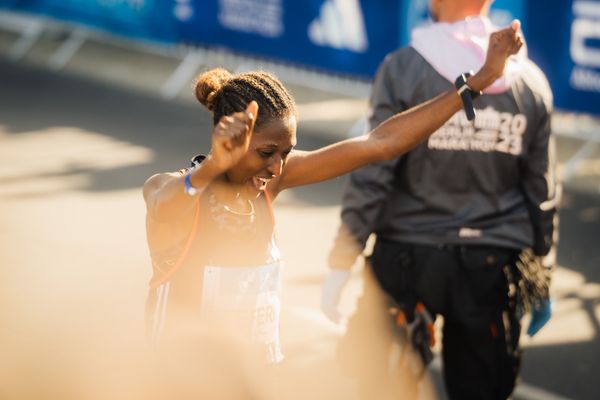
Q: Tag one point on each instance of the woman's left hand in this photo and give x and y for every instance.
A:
(231, 137)
(502, 44)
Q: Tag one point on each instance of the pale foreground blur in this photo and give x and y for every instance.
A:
(74, 269)
(73, 281)
(78, 356)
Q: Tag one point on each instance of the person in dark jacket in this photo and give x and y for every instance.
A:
(455, 217)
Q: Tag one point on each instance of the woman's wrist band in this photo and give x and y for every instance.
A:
(467, 95)
(189, 189)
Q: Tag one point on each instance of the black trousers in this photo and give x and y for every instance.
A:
(468, 286)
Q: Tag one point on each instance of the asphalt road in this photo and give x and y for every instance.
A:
(74, 153)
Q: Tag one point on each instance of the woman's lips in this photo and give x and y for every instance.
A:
(260, 183)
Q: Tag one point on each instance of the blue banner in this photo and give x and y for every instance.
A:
(147, 19)
(343, 36)
(348, 37)
(564, 39)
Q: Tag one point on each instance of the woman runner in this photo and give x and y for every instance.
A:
(210, 226)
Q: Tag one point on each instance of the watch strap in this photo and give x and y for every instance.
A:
(466, 94)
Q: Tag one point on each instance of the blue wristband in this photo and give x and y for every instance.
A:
(189, 189)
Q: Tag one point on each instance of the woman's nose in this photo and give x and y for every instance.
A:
(275, 166)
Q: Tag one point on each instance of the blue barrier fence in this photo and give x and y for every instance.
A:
(348, 37)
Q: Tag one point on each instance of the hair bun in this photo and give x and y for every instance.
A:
(209, 84)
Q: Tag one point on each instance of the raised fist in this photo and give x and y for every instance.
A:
(231, 137)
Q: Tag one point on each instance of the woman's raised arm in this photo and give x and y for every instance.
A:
(164, 193)
(403, 131)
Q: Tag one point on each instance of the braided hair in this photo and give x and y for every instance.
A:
(224, 93)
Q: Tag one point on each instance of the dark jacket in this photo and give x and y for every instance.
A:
(489, 182)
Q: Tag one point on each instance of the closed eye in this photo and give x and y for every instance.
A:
(265, 153)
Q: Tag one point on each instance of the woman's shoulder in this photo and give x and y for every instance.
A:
(157, 181)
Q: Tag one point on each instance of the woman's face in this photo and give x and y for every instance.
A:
(270, 146)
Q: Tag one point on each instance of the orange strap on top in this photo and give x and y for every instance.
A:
(268, 198)
(156, 281)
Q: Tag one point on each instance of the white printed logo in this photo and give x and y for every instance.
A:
(491, 131)
(262, 17)
(183, 10)
(340, 25)
(585, 30)
(465, 232)
(134, 4)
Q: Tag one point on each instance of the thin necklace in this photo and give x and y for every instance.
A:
(246, 214)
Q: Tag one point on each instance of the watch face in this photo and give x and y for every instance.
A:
(461, 80)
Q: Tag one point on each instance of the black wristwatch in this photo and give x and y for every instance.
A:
(466, 94)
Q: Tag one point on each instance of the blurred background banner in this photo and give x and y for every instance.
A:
(564, 39)
(341, 36)
(345, 37)
(145, 19)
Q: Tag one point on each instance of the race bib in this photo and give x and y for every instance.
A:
(246, 300)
